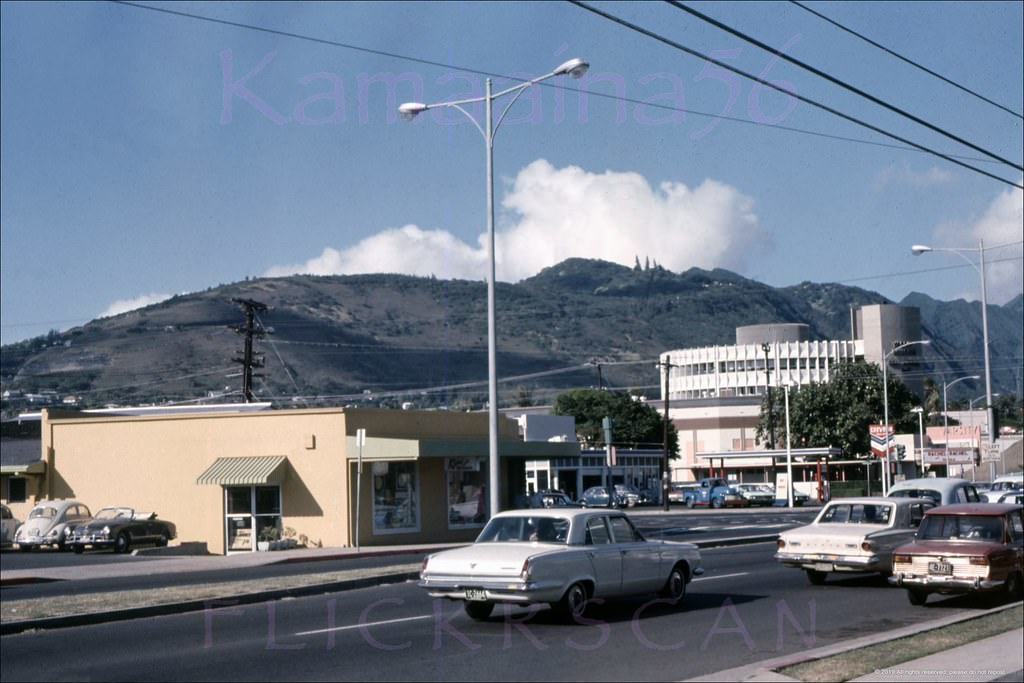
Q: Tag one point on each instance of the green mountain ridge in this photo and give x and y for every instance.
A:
(393, 338)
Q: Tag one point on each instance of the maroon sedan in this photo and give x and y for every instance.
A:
(966, 548)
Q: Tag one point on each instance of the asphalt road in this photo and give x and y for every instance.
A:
(746, 608)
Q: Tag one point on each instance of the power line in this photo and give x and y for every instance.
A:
(905, 59)
(841, 83)
(769, 84)
(480, 72)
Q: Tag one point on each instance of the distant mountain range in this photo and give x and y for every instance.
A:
(394, 338)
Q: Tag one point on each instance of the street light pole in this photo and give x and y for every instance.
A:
(918, 249)
(789, 453)
(885, 402)
(408, 111)
(945, 414)
(920, 428)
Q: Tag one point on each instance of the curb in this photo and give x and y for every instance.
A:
(13, 627)
(767, 670)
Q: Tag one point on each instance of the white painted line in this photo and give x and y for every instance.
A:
(720, 576)
(366, 625)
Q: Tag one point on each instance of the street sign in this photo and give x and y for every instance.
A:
(957, 456)
(990, 452)
(879, 434)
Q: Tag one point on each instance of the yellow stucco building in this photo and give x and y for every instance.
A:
(233, 478)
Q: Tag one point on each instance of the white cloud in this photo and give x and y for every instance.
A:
(124, 305)
(904, 175)
(1003, 223)
(552, 214)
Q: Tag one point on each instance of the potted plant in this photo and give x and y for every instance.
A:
(268, 535)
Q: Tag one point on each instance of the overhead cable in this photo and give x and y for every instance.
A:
(905, 59)
(835, 112)
(841, 83)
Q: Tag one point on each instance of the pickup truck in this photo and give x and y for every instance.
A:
(716, 493)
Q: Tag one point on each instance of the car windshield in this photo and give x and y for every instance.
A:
(113, 513)
(856, 513)
(43, 513)
(525, 529)
(918, 493)
(955, 527)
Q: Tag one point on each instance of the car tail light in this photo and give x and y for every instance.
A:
(780, 543)
(901, 559)
(982, 560)
(425, 561)
(524, 574)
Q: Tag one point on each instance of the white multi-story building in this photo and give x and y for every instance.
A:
(715, 392)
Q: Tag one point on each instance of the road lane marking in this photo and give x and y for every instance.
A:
(365, 625)
(720, 576)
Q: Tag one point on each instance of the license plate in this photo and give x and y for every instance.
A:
(941, 568)
(823, 567)
(476, 594)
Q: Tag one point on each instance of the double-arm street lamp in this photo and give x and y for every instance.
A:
(575, 68)
(919, 249)
(920, 428)
(885, 402)
(945, 414)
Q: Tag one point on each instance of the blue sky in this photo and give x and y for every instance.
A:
(146, 154)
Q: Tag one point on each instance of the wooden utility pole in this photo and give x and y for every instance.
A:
(666, 365)
(250, 329)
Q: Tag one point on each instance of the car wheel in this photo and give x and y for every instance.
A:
(478, 610)
(122, 544)
(689, 503)
(1014, 588)
(78, 548)
(716, 503)
(574, 602)
(815, 577)
(25, 548)
(916, 598)
(162, 540)
(675, 586)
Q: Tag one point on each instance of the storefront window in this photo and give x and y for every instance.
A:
(395, 497)
(253, 513)
(467, 493)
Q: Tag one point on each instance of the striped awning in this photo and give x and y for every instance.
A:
(246, 471)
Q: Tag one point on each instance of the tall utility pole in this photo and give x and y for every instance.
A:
(666, 365)
(250, 329)
(766, 347)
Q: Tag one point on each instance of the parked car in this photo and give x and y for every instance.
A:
(963, 549)
(758, 494)
(629, 493)
(1012, 498)
(561, 557)
(121, 528)
(602, 496)
(8, 525)
(941, 490)
(1009, 483)
(551, 499)
(677, 492)
(714, 492)
(48, 524)
(852, 535)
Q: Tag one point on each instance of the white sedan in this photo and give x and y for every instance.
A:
(562, 557)
(852, 535)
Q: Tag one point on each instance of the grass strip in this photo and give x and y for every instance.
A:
(866, 660)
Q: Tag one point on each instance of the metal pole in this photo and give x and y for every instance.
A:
(664, 459)
(945, 425)
(492, 369)
(885, 401)
(920, 429)
(360, 440)
(989, 409)
(789, 454)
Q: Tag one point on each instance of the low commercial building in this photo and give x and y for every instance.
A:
(233, 478)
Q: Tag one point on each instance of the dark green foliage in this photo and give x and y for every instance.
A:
(634, 424)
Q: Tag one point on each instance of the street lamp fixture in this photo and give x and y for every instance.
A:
(919, 249)
(410, 110)
(885, 401)
(945, 414)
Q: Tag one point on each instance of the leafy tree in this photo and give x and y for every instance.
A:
(634, 423)
(838, 413)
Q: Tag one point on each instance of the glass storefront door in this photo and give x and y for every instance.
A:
(251, 514)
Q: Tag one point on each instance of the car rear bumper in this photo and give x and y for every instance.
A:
(946, 584)
(513, 590)
(823, 562)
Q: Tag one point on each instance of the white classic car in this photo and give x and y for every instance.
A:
(852, 535)
(49, 523)
(563, 557)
